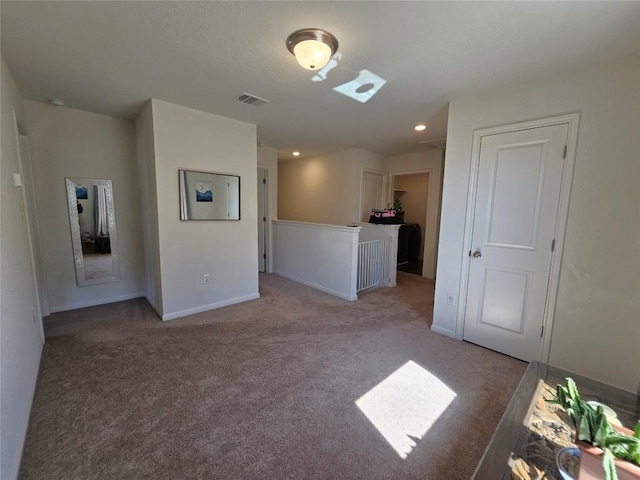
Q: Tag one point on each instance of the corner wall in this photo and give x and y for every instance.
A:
(73, 143)
(148, 207)
(326, 188)
(20, 327)
(596, 329)
(226, 250)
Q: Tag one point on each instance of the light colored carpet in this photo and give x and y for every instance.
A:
(97, 265)
(264, 390)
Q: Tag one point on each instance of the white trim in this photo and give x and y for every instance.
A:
(211, 306)
(324, 226)
(344, 296)
(572, 121)
(94, 303)
(444, 331)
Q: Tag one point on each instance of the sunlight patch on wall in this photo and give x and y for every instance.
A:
(405, 405)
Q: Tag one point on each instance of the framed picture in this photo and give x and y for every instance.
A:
(209, 195)
(81, 192)
(203, 191)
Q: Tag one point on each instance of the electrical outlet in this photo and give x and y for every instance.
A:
(205, 278)
(451, 299)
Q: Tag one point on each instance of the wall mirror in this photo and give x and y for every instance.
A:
(93, 231)
(209, 196)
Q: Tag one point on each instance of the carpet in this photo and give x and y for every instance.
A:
(296, 384)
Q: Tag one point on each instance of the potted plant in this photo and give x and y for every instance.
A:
(397, 206)
(606, 451)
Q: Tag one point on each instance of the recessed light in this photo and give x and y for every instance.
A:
(295, 154)
(56, 102)
(420, 127)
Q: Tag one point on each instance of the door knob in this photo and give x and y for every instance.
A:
(477, 254)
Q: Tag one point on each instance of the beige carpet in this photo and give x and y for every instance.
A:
(265, 390)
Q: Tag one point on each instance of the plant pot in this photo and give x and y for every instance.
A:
(591, 462)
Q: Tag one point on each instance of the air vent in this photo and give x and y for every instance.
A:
(249, 99)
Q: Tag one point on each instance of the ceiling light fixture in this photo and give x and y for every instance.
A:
(420, 127)
(312, 47)
(296, 154)
(56, 102)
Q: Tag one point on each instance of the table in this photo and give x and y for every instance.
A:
(523, 433)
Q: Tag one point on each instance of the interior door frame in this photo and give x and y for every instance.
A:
(41, 308)
(572, 120)
(428, 217)
(268, 265)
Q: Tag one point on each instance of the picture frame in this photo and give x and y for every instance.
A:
(209, 195)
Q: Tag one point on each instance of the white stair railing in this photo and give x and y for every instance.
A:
(373, 263)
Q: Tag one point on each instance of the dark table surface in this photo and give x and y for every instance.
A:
(532, 431)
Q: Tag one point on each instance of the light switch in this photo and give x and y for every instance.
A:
(17, 179)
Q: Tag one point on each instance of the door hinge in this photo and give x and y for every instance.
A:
(264, 255)
(264, 219)
(553, 244)
(264, 180)
(564, 153)
(542, 330)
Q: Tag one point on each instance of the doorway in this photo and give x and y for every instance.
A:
(515, 230)
(411, 196)
(263, 224)
(420, 191)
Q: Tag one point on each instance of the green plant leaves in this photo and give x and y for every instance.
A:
(609, 466)
(593, 427)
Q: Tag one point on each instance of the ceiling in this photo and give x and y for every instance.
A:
(111, 57)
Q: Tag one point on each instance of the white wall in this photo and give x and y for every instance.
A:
(429, 161)
(148, 207)
(323, 257)
(325, 189)
(596, 328)
(20, 329)
(268, 158)
(226, 250)
(73, 143)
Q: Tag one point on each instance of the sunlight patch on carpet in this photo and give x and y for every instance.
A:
(405, 405)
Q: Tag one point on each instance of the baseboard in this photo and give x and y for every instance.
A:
(344, 296)
(93, 303)
(17, 460)
(443, 331)
(211, 306)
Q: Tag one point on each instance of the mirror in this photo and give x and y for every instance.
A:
(93, 231)
(209, 196)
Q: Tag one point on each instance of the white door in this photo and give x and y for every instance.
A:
(262, 220)
(372, 193)
(516, 208)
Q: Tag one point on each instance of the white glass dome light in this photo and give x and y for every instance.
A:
(312, 47)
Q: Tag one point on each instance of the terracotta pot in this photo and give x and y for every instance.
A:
(591, 462)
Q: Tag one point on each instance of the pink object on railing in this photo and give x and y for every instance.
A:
(383, 213)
